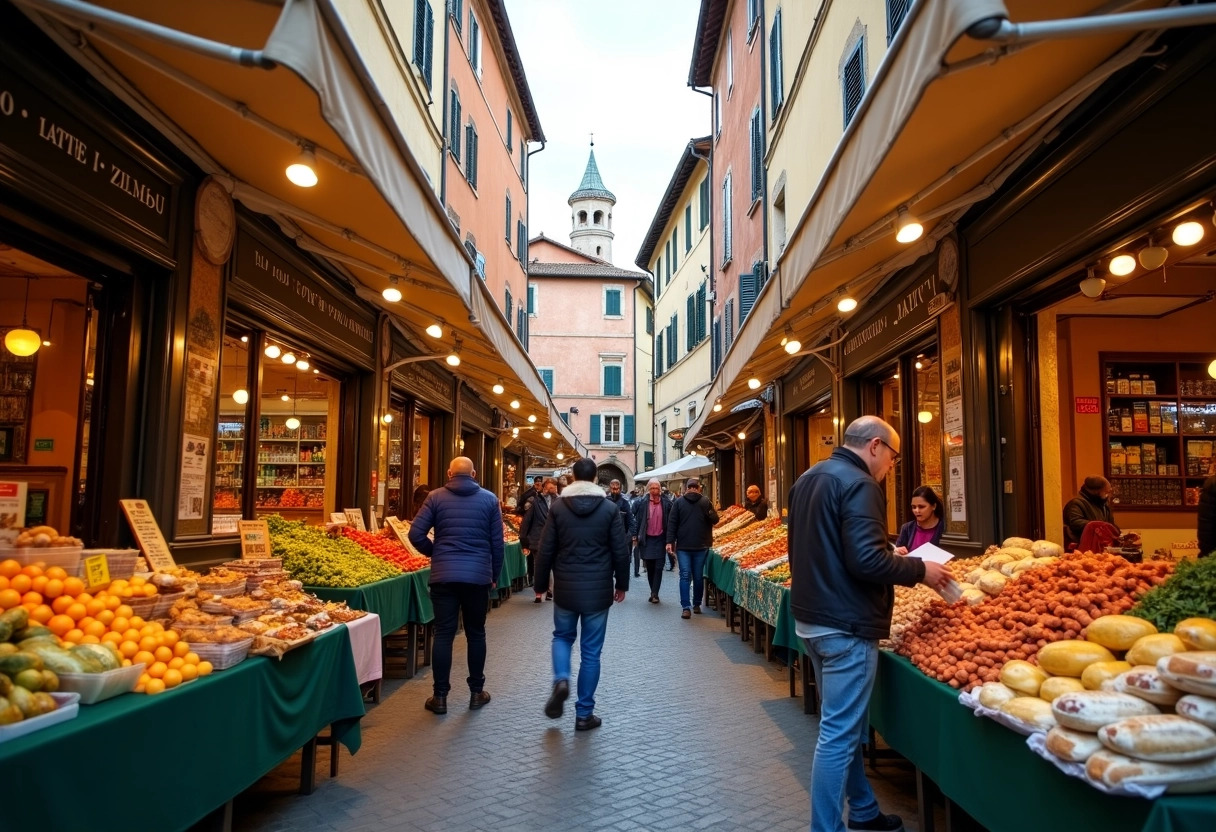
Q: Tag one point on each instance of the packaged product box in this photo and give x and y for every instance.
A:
(1118, 459)
(1140, 417)
(1133, 460)
(1148, 458)
(1169, 418)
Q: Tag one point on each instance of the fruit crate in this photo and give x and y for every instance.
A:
(222, 656)
(98, 687)
(120, 562)
(68, 708)
(66, 557)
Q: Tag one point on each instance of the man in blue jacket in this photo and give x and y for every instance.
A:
(466, 559)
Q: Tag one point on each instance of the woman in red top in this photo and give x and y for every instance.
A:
(927, 526)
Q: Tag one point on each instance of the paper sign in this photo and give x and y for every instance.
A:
(354, 518)
(1088, 404)
(929, 552)
(12, 510)
(147, 534)
(255, 539)
(337, 518)
(97, 571)
(400, 529)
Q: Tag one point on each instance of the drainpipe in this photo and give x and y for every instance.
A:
(527, 160)
(764, 132)
(447, 97)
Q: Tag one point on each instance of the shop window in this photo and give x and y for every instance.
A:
(422, 456)
(393, 455)
(228, 482)
(927, 425)
(882, 397)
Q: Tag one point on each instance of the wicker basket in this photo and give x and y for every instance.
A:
(222, 656)
(224, 590)
(144, 607)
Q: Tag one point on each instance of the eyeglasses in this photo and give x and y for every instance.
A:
(894, 453)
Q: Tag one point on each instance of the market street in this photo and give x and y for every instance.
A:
(699, 733)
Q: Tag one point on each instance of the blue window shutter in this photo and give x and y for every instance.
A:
(649, 321)
(509, 305)
(612, 379)
(688, 227)
(454, 127)
(510, 128)
(547, 377)
(648, 460)
(702, 299)
(704, 202)
(690, 331)
(675, 248)
(747, 294)
(420, 8)
(628, 430)
(595, 429)
(658, 355)
(565, 417)
(776, 69)
(507, 232)
(716, 347)
(458, 14)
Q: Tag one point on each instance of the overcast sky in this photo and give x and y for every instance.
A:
(620, 70)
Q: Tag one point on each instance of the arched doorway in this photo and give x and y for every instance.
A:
(609, 471)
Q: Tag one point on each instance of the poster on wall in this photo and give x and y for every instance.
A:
(952, 422)
(192, 490)
(957, 494)
(12, 510)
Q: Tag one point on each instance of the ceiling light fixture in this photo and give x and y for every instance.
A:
(46, 342)
(790, 341)
(240, 395)
(718, 406)
(924, 417)
(292, 423)
(302, 364)
(23, 341)
(498, 388)
(387, 418)
(391, 293)
(560, 456)
(303, 171)
(244, 339)
(289, 357)
(742, 434)
(285, 397)
(846, 304)
(453, 358)
(515, 431)
(1121, 265)
(272, 351)
(532, 417)
(753, 383)
(1153, 256)
(907, 228)
(1212, 369)
(515, 404)
(1187, 233)
(548, 434)
(316, 371)
(1092, 286)
(435, 331)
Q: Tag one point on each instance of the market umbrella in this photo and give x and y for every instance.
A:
(692, 465)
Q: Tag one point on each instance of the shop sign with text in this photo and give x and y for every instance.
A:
(806, 383)
(901, 316)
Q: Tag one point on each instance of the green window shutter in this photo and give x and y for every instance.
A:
(521, 241)
(612, 379)
(688, 227)
(507, 230)
(510, 128)
(675, 248)
(747, 294)
(702, 300)
(565, 417)
(509, 305)
(628, 430)
(547, 377)
(757, 129)
(612, 302)
(531, 298)
(595, 429)
(649, 321)
(703, 199)
(458, 14)
(658, 355)
(673, 347)
(420, 9)
(853, 82)
(648, 460)
(454, 127)
(690, 331)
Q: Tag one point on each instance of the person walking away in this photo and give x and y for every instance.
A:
(534, 524)
(1206, 521)
(466, 559)
(585, 553)
(649, 534)
(635, 505)
(623, 505)
(671, 558)
(525, 499)
(690, 533)
(842, 593)
(755, 503)
(926, 524)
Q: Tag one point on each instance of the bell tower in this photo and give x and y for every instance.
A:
(591, 213)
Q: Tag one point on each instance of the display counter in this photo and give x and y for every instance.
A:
(988, 771)
(213, 738)
(404, 599)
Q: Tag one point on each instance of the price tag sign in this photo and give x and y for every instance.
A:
(97, 571)
(354, 517)
(147, 534)
(337, 518)
(400, 529)
(255, 539)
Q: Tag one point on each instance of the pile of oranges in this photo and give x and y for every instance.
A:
(78, 617)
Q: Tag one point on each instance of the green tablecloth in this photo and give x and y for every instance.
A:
(405, 599)
(988, 771)
(766, 600)
(514, 565)
(163, 762)
(722, 573)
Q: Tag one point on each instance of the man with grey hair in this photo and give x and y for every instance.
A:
(649, 534)
(844, 574)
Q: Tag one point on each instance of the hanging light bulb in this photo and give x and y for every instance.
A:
(303, 171)
(1121, 265)
(289, 357)
(753, 383)
(391, 293)
(515, 431)
(548, 434)
(453, 358)
(316, 371)
(46, 342)
(924, 417)
(292, 423)
(790, 342)
(23, 341)
(302, 364)
(244, 339)
(240, 396)
(847, 303)
(907, 228)
(435, 331)
(1092, 286)
(717, 407)
(1153, 256)
(515, 404)
(285, 397)
(273, 351)
(387, 418)
(498, 388)
(742, 434)
(560, 456)
(1212, 369)
(532, 417)
(1187, 233)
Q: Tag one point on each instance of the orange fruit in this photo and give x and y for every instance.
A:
(189, 671)
(73, 586)
(77, 611)
(84, 597)
(53, 588)
(61, 604)
(32, 597)
(191, 658)
(149, 590)
(154, 687)
(73, 635)
(39, 583)
(171, 638)
(163, 654)
(106, 617)
(95, 606)
(126, 662)
(119, 624)
(88, 639)
(157, 670)
(143, 657)
(56, 572)
(86, 621)
(113, 602)
(112, 638)
(138, 580)
(9, 568)
(9, 598)
(148, 643)
(172, 678)
(60, 624)
(176, 663)
(147, 630)
(29, 607)
(33, 570)
(3, 582)
(95, 628)
(122, 610)
(42, 614)
(131, 634)
(136, 621)
(204, 668)
(181, 648)
(21, 583)
(128, 649)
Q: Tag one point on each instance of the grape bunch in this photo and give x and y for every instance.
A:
(317, 559)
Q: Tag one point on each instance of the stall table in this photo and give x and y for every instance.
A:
(213, 738)
(401, 602)
(514, 567)
(987, 770)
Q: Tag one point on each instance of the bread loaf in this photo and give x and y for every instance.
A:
(1114, 769)
(1045, 549)
(1160, 738)
(1197, 633)
(1193, 672)
(1070, 658)
(1118, 632)
(994, 694)
(1148, 649)
(1017, 543)
(1016, 552)
(1023, 677)
(1032, 712)
(1089, 710)
(1074, 746)
(1098, 672)
(1056, 686)
(1144, 681)
(992, 582)
(1199, 708)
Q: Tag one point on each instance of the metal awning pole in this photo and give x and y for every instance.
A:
(1003, 30)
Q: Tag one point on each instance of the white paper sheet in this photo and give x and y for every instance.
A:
(929, 552)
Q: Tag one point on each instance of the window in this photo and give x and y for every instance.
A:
(627, 429)
(690, 331)
(776, 67)
(730, 64)
(675, 245)
(474, 44)
(454, 126)
(717, 114)
(648, 460)
(598, 218)
(582, 217)
(424, 38)
(532, 299)
(753, 15)
(703, 199)
(749, 286)
(649, 321)
(729, 320)
(546, 375)
(715, 354)
(612, 302)
(458, 14)
(688, 228)
(660, 363)
(470, 154)
(521, 243)
(521, 326)
(673, 346)
(853, 81)
(507, 229)
(612, 374)
(702, 301)
(599, 251)
(612, 430)
(510, 132)
(565, 414)
(509, 306)
(663, 440)
(658, 275)
(523, 162)
(726, 223)
(692, 413)
(897, 10)
(757, 144)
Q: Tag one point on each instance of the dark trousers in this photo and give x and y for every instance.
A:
(451, 601)
(531, 575)
(637, 560)
(654, 574)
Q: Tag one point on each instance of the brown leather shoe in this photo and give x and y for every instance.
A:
(478, 698)
(437, 704)
(686, 614)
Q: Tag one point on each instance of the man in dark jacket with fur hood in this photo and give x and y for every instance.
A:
(583, 546)
(690, 533)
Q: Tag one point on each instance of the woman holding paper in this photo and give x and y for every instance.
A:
(926, 527)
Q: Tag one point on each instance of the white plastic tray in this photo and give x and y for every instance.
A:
(98, 687)
(69, 708)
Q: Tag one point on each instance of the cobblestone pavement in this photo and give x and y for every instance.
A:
(699, 733)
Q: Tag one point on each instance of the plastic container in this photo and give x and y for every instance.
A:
(222, 656)
(69, 708)
(67, 558)
(98, 687)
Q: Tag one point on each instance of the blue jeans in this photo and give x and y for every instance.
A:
(692, 565)
(453, 601)
(845, 667)
(591, 642)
